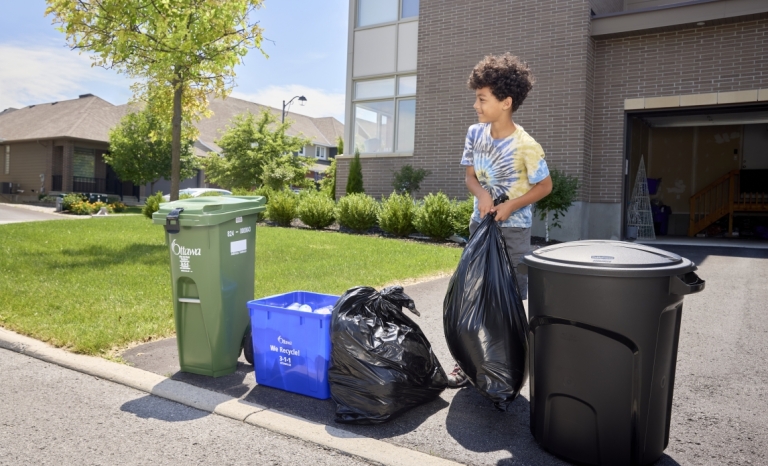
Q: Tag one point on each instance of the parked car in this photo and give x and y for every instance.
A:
(195, 192)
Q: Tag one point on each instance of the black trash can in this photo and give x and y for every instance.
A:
(604, 326)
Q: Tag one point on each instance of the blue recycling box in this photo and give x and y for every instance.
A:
(292, 347)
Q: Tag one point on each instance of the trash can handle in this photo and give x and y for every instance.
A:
(172, 225)
(685, 284)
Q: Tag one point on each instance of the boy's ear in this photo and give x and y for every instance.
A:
(507, 105)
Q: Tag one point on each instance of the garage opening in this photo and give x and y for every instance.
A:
(707, 170)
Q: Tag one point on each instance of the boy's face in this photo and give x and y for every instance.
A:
(490, 109)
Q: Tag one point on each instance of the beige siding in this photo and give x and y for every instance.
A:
(28, 161)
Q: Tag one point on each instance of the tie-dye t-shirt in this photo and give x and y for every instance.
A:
(511, 165)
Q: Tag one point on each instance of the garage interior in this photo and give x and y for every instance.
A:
(707, 170)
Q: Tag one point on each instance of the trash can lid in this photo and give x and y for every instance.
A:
(608, 258)
(210, 210)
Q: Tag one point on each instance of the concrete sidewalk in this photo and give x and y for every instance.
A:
(720, 407)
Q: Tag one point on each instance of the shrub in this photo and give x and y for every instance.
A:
(70, 199)
(434, 217)
(81, 208)
(117, 207)
(316, 210)
(185, 196)
(357, 212)
(564, 190)
(462, 213)
(210, 193)
(152, 204)
(408, 179)
(396, 215)
(96, 206)
(355, 177)
(243, 192)
(282, 207)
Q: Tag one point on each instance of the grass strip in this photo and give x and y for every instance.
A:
(95, 285)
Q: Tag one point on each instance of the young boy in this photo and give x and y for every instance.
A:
(501, 158)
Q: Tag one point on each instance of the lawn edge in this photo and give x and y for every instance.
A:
(326, 436)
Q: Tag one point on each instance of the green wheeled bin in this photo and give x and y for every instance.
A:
(212, 244)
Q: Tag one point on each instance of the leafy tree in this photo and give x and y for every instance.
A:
(140, 148)
(328, 183)
(181, 51)
(355, 177)
(564, 190)
(340, 145)
(257, 151)
(408, 179)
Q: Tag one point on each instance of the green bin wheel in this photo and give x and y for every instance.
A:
(248, 346)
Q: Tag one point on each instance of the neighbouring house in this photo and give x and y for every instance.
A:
(682, 84)
(59, 146)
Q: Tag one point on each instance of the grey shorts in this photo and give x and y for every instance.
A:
(518, 242)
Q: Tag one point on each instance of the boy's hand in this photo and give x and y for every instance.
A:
(485, 204)
(504, 210)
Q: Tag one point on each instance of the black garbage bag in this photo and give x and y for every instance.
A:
(484, 318)
(381, 363)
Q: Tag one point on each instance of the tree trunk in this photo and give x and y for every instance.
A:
(178, 89)
(151, 188)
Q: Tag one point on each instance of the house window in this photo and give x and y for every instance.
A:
(301, 151)
(7, 160)
(384, 118)
(410, 9)
(376, 11)
(370, 12)
(320, 152)
(84, 163)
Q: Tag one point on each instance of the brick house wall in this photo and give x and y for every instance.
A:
(698, 60)
(553, 37)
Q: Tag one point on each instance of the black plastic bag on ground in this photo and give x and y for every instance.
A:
(484, 318)
(381, 363)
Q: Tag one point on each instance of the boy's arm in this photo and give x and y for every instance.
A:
(538, 192)
(484, 199)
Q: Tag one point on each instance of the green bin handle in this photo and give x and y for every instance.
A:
(172, 225)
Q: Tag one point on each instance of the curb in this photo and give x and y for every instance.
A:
(327, 436)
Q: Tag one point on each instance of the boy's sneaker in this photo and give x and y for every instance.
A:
(457, 378)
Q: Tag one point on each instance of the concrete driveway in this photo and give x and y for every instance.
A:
(12, 213)
(720, 410)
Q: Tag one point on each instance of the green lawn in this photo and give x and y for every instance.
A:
(95, 285)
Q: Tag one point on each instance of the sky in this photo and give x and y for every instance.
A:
(306, 41)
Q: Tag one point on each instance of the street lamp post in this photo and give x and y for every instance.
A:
(301, 98)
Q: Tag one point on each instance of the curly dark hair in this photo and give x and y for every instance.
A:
(506, 75)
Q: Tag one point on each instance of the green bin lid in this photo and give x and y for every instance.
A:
(210, 210)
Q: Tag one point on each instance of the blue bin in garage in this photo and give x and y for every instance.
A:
(291, 347)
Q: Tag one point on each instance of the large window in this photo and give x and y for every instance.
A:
(84, 163)
(320, 153)
(385, 115)
(370, 12)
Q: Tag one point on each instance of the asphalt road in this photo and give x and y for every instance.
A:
(720, 404)
(51, 415)
(12, 214)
